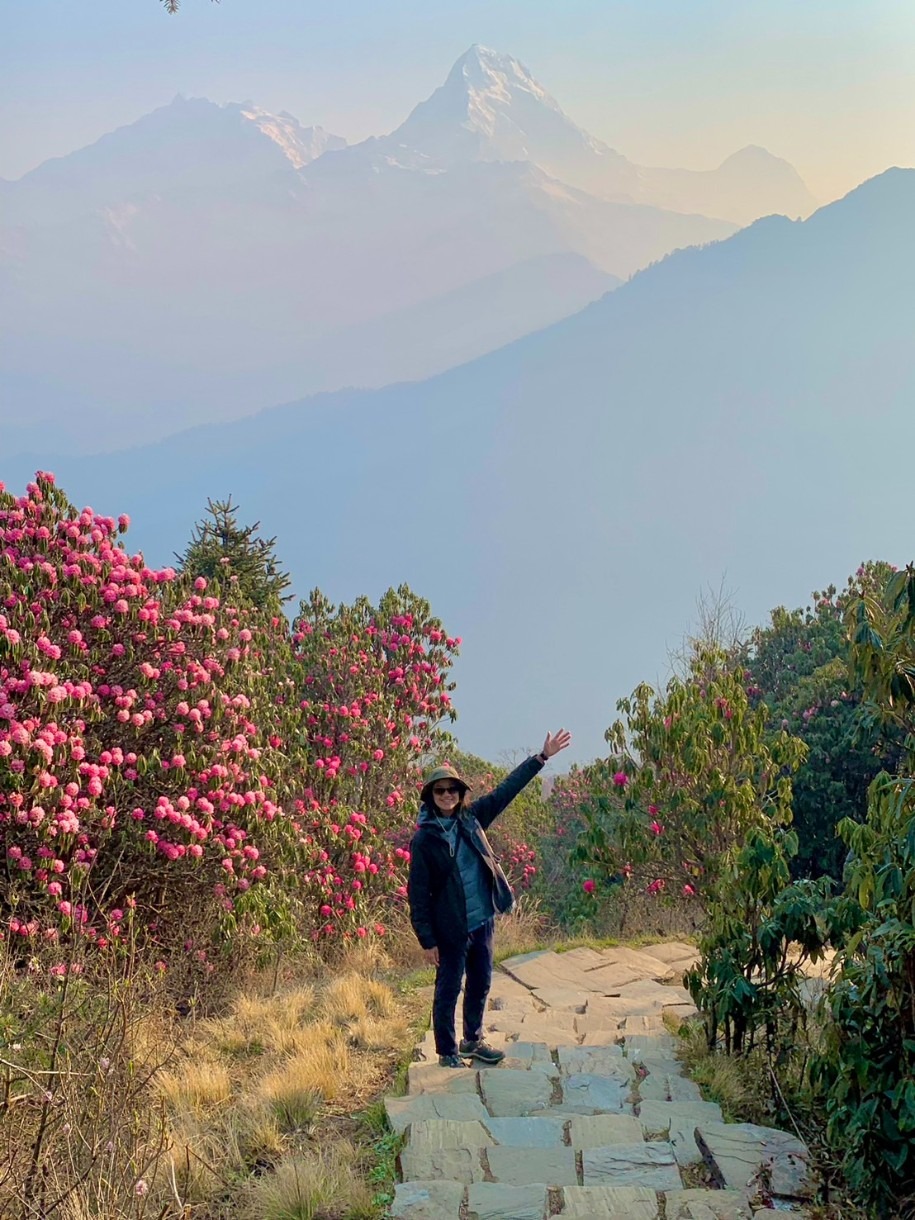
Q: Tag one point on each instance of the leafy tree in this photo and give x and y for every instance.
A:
(798, 665)
(867, 1070)
(692, 770)
(221, 549)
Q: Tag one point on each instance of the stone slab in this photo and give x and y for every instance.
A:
(430, 1078)
(601, 1037)
(427, 1201)
(735, 1153)
(507, 1021)
(534, 1056)
(677, 1121)
(588, 1093)
(698, 1204)
(644, 1023)
(599, 1130)
(508, 963)
(526, 1166)
(668, 1086)
(555, 1018)
(547, 970)
(430, 1133)
(650, 994)
(609, 1203)
(682, 1090)
(640, 960)
(650, 1046)
(651, 1165)
(536, 1132)
(493, 1201)
(679, 1013)
(673, 952)
(510, 1093)
(461, 1107)
(584, 957)
(435, 1164)
(608, 978)
(571, 999)
(596, 1060)
(598, 1021)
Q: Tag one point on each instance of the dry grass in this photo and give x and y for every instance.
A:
(322, 1185)
(195, 1086)
(737, 1083)
(252, 1088)
(353, 997)
(523, 931)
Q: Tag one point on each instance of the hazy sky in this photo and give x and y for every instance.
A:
(828, 84)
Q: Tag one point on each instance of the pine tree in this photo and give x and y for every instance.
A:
(221, 549)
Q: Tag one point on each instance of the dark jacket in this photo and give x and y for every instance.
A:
(435, 891)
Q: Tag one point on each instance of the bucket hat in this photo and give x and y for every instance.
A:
(441, 773)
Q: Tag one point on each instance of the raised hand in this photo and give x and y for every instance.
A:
(556, 742)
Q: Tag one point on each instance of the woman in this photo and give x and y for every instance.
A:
(455, 888)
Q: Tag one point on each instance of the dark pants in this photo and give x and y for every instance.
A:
(475, 958)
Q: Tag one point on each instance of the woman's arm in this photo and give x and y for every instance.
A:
(488, 807)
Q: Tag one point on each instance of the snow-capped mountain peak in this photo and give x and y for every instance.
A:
(490, 108)
(301, 145)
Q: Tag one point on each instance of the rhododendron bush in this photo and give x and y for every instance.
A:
(692, 770)
(373, 692)
(171, 760)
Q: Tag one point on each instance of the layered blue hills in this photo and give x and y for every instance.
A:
(740, 413)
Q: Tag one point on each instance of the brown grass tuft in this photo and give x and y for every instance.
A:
(321, 1186)
(195, 1086)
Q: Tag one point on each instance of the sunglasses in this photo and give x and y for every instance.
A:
(451, 790)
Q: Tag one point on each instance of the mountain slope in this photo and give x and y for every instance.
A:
(732, 412)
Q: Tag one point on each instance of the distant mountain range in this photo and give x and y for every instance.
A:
(741, 411)
(208, 260)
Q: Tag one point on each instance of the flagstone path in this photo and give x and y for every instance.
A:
(589, 1116)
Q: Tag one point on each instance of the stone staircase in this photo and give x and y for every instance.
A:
(589, 1115)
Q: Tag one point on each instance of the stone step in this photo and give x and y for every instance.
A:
(496, 1201)
(527, 1166)
(700, 1204)
(538, 1131)
(427, 1201)
(651, 1165)
(459, 1107)
(609, 1203)
(512, 1093)
(430, 1078)
(736, 1153)
(592, 1094)
(433, 1133)
(599, 1130)
(441, 1164)
(677, 1122)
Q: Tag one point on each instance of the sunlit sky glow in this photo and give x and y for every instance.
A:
(827, 84)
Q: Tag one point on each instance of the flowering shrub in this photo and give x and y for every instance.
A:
(136, 776)
(172, 762)
(373, 692)
(692, 771)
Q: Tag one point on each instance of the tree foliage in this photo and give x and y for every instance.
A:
(221, 549)
(798, 665)
(691, 771)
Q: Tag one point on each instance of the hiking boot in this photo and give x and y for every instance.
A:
(481, 1051)
(450, 1061)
